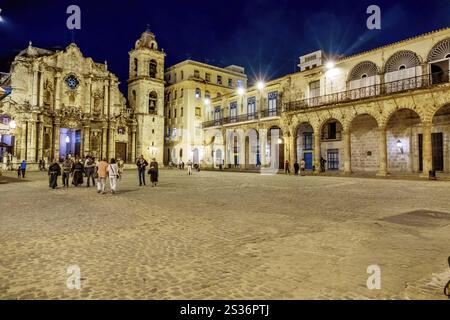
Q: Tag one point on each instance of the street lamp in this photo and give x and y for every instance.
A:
(330, 65)
(260, 85)
(12, 124)
(207, 101)
(240, 91)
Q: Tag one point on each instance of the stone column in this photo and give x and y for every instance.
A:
(40, 138)
(133, 144)
(225, 156)
(34, 97)
(56, 127)
(41, 90)
(242, 151)
(317, 152)
(86, 139)
(23, 141)
(87, 98)
(112, 140)
(104, 142)
(31, 141)
(382, 146)
(427, 149)
(347, 151)
(262, 146)
(293, 151)
(105, 99)
(57, 91)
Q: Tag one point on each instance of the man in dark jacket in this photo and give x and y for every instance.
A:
(89, 167)
(296, 168)
(141, 164)
(53, 172)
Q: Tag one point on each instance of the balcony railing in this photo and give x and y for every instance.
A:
(418, 82)
(241, 118)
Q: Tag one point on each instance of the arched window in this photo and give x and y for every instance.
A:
(152, 100)
(136, 66)
(133, 97)
(152, 68)
(198, 93)
(440, 51)
(207, 95)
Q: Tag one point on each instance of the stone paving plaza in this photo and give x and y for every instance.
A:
(221, 235)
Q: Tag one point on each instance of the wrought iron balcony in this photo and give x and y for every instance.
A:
(382, 89)
(241, 118)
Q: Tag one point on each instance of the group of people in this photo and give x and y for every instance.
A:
(91, 169)
(301, 167)
(142, 165)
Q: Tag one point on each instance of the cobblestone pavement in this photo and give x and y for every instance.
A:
(226, 236)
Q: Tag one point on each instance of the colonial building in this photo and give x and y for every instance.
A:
(55, 103)
(190, 88)
(384, 111)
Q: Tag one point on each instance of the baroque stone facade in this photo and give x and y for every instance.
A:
(55, 103)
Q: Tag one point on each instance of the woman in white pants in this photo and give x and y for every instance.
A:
(113, 173)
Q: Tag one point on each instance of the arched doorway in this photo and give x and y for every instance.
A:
(275, 148)
(7, 139)
(439, 140)
(331, 147)
(404, 142)
(305, 145)
(252, 152)
(364, 137)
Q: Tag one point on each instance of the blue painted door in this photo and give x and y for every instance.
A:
(308, 161)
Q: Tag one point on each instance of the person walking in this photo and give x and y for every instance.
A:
(66, 171)
(113, 173)
(102, 171)
(189, 167)
(120, 165)
(287, 169)
(53, 172)
(322, 164)
(302, 167)
(89, 167)
(296, 168)
(23, 168)
(154, 172)
(141, 164)
(78, 170)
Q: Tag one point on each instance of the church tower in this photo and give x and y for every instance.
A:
(146, 96)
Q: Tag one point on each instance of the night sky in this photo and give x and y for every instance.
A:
(266, 37)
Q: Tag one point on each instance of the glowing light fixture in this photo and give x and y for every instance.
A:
(280, 141)
(260, 85)
(240, 91)
(67, 139)
(330, 65)
(400, 146)
(207, 102)
(12, 124)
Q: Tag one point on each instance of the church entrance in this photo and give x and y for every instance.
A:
(121, 151)
(69, 142)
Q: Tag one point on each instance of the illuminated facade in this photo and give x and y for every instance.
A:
(382, 111)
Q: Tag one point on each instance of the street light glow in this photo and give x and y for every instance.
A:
(241, 91)
(207, 102)
(12, 124)
(260, 85)
(67, 139)
(330, 65)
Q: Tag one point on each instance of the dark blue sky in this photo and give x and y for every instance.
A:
(266, 37)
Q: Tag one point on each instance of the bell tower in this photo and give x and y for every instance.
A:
(146, 96)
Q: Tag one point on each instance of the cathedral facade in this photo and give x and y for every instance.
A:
(59, 103)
